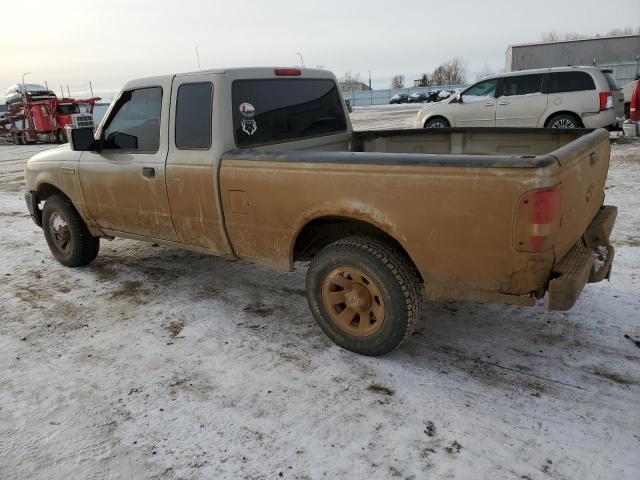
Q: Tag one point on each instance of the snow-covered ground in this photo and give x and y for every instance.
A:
(159, 363)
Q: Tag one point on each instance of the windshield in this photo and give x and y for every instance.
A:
(68, 109)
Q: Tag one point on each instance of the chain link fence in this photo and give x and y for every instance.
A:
(382, 97)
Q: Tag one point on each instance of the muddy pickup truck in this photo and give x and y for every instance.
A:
(261, 164)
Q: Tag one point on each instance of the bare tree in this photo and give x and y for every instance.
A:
(485, 72)
(350, 82)
(424, 81)
(397, 81)
(551, 36)
(620, 31)
(452, 72)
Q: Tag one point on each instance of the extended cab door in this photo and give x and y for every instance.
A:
(520, 101)
(192, 164)
(477, 105)
(124, 183)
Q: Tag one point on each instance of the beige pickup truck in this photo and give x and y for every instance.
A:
(261, 164)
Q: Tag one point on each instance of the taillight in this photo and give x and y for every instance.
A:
(606, 100)
(537, 220)
(288, 72)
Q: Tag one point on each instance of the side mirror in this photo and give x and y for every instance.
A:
(123, 141)
(82, 140)
(457, 98)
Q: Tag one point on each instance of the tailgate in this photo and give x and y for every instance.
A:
(584, 164)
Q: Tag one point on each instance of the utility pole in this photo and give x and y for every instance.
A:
(301, 60)
(91, 88)
(198, 58)
(68, 92)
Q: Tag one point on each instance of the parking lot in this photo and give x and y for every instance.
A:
(159, 363)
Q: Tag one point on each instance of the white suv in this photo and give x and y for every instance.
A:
(562, 97)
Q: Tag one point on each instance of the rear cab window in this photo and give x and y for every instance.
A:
(193, 116)
(267, 111)
(559, 82)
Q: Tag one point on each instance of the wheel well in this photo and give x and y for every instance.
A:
(563, 112)
(427, 120)
(47, 190)
(323, 231)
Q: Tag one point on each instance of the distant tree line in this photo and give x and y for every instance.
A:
(553, 36)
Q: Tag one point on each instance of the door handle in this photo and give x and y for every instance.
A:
(503, 103)
(148, 172)
(491, 104)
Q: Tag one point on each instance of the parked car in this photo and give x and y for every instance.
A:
(34, 92)
(3, 109)
(432, 96)
(399, 98)
(418, 97)
(562, 97)
(273, 183)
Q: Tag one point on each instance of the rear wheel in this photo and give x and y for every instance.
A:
(563, 120)
(364, 294)
(62, 136)
(66, 233)
(437, 122)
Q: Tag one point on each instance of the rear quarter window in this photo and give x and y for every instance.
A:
(282, 110)
(559, 82)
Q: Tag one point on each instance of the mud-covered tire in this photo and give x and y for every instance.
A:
(394, 277)
(60, 220)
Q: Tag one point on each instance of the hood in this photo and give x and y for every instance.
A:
(56, 154)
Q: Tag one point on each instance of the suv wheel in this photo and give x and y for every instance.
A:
(364, 294)
(563, 121)
(437, 122)
(66, 233)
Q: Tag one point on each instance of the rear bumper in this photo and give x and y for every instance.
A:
(590, 260)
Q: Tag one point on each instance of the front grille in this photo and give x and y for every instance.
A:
(83, 120)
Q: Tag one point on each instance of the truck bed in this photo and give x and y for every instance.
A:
(449, 197)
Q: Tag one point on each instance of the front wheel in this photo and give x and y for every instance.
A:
(437, 122)
(62, 136)
(68, 238)
(365, 294)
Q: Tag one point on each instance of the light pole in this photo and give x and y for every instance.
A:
(301, 60)
(24, 89)
(27, 117)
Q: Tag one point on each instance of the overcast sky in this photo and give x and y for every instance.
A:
(109, 42)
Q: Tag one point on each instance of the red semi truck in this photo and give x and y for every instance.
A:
(46, 120)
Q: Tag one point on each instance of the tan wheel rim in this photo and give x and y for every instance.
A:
(353, 301)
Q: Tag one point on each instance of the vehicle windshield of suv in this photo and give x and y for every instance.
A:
(283, 110)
